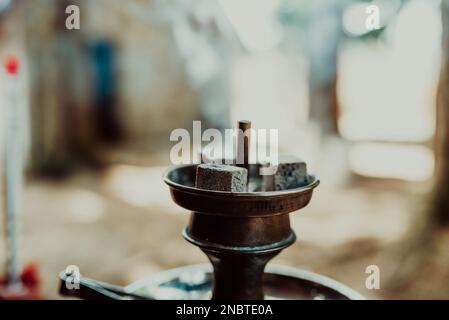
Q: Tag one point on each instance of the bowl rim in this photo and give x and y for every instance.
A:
(262, 194)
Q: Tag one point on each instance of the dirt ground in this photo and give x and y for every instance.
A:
(120, 225)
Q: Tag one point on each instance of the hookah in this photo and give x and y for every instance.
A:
(240, 232)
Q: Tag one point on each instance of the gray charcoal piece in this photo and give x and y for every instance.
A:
(291, 173)
(221, 177)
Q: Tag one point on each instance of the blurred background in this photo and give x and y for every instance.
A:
(367, 109)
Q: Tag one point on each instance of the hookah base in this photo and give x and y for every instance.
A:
(280, 283)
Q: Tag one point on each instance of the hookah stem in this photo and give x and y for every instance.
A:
(244, 127)
(13, 170)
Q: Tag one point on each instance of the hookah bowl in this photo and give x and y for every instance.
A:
(239, 232)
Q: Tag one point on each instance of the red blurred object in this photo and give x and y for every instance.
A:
(30, 286)
(12, 65)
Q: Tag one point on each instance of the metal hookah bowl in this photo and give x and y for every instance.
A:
(239, 232)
